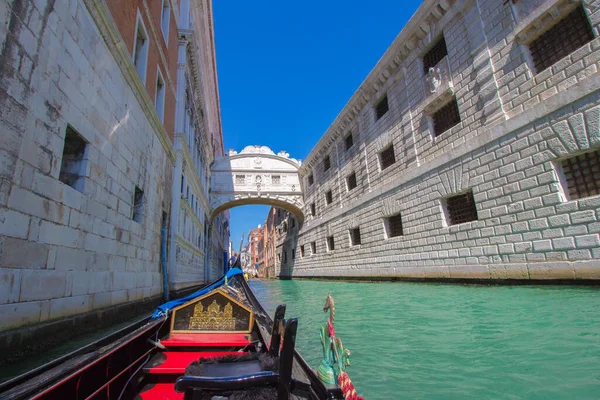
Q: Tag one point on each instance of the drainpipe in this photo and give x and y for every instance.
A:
(163, 262)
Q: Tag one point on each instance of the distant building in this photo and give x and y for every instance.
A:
(270, 240)
(255, 237)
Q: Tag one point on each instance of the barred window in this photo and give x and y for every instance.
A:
(311, 179)
(240, 179)
(328, 197)
(349, 141)
(330, 243)
(394, 226)
(351, 181)
(73, 165)
(446, 117)
(387, 157)
(313, 247)
(566, 36)
(326, 163)
(276, 179)
(381, 108)
(355, 236)
(461, 208)
(435, 55)
(302, 251)
(313, 211)
(582, 175)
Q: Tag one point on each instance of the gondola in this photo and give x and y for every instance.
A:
(218, 343)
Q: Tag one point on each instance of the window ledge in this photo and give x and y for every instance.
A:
(542, 19)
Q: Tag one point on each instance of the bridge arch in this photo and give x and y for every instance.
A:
(256, 175)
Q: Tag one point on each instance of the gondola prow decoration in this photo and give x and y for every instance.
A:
(336, 358)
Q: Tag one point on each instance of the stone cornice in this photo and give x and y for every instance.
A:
(112, 37)
(420, 27)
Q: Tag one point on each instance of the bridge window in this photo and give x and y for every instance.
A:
(351, 181)
(328, 197)
(349, 141)
(355, 236)
(326, 163)
(387, 157)
(240, 179)
(330, 243)
(435, 55)
(73, 166)
(381, 108)
(138, 204)
(313, 247)
(276, 179)
(311, 179)
(313, 211)
(302, 251)
(461, 208)
(393, 226)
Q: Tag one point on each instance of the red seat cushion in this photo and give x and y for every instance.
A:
(207, 339)
(176, 362)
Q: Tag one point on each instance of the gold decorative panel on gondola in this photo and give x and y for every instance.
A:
(215, 312)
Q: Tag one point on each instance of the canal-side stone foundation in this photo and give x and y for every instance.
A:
(474, 157)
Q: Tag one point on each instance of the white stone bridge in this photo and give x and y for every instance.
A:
(256, 175)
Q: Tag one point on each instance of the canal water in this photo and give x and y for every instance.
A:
(436, 341)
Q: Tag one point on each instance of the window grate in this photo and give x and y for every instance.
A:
(355, 236)
(349, 141)
(387, 157)
(276, 179)
(311, 179)
(326, 163)
(328, 197)
(395, 226)
(313, 210)
(446, 117)
(461, 208)
(381, 108)
(582, 174)
(330, 243)
(351, 181)
(566, 36)
(435, 55)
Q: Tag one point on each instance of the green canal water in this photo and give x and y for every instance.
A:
(434, 341)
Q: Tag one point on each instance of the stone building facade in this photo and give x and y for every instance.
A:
(470, 151)
(92, 124)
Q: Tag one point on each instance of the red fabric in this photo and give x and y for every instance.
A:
(348, 388)
(176, 362)
(207, 339)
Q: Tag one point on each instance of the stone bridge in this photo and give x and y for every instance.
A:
(256, 175)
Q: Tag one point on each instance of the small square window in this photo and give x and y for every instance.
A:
(349, 141)
(582, 175)
(461, 208)
(313, 247)
(387, 157)
(276, 179)
(330, 243)
(446, 117)
(326, 163)
(73, 165)
(328, 197)
(381, 108)
(302, 251)
(355, 236)
(313, 210)
(435, 55)
(240, 179)
(138, 204)
(351, 181)
(394, 226)
(311, 179)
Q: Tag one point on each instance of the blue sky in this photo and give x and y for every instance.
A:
(286, 69)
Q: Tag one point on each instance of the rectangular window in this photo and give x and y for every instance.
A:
(582, 175)
(140, 48)
(293, 254)
(446, 117)
(387, 157)
(73, 166)
(330, 243)
(566, 36)
(311, 179)
(326, 163)
(293, 222)
(381, 108)
(138, 204)
(302, 251)
(461, 208)
(394, 226)
(328, 197)
(349, 141)
(435, 55)
(355, 236)
(240, 179)
(285, 256)
(313, 247)
(165, 20)
(276, 179)
(313, 211)
(159, 101)
(351, 181)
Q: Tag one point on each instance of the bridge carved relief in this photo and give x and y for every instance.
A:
(256, 175)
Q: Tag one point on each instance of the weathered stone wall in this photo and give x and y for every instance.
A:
(62, 251)
(516, 125)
